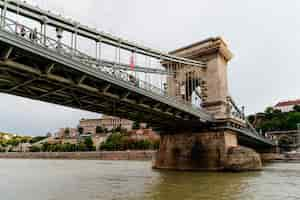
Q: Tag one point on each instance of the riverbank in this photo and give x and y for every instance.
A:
(99, 155)
(123, 155)
(286, 157)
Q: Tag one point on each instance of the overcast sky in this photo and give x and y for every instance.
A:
(263, 35)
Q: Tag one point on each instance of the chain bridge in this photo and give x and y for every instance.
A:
(181, 92)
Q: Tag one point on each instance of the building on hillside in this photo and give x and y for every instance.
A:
(49, 134)
(22, 147)
(287, 140)
(287, 106)
(56, 140)
(106, 122)
(144, 134)
(67, 133)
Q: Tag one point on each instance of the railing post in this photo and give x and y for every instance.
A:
(44, 29)
(96, 49)
(74, 47)
(100, 49)
(1, 20)
(3, 14)
(119, 49)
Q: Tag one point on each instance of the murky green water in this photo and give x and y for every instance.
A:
(94, 180)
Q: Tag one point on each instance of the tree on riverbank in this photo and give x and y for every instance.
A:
(275, 120)
(121, 142)
(13, 141)
(89, 144)
(86, 145)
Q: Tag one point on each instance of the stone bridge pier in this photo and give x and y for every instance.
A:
(207, 148)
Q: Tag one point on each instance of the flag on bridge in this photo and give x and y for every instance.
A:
(132, 65)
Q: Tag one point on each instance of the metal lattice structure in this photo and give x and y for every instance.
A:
(36, 65)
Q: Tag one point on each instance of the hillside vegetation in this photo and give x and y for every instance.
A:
(275, 120)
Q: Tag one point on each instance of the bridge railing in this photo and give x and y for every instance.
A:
(235, 112)
(108, 67)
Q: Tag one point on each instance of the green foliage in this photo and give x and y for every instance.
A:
(35, 149)
(275, 120)
(13, 142)
(89, 144)
(251, 118)
(123, 131)
(99, 129)
(3, 143)
(135, 125)
(37, 139)
(118, 129)
(2, 148)
(25, 139)
(296, 108)
(121, 142)
(82, 147)
(269, 110)
(80, 130)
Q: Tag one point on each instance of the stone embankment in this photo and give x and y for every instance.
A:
(276, 157)
(270, 157)
(236, 158)
(101, 155)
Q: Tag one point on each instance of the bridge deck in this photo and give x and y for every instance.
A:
(37, 71)
(30, 70)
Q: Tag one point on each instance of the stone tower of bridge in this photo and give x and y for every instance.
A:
(207, 148)
(212, 79)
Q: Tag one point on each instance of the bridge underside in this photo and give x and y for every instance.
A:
(30, 71)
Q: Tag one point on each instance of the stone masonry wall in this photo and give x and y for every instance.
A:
(191, 151)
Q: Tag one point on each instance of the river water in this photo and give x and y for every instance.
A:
(131, 180)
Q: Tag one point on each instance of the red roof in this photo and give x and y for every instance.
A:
(288, 103)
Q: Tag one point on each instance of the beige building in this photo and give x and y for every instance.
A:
(144, 134)
(287, 106)
(22, 147)
(67, 133)
(106, 122)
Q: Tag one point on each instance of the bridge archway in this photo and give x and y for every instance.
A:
(286, 142)
(194, 90)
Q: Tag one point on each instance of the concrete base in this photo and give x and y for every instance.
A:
(208, 151)
(195, 151)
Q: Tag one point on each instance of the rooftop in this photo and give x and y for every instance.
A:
(288, 103)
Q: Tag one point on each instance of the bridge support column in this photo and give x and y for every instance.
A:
(210, 150)
(215, 53)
